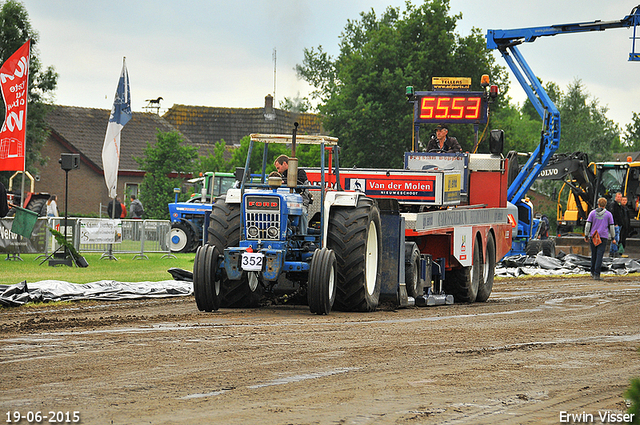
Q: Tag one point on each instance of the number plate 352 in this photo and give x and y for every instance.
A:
(252, 261)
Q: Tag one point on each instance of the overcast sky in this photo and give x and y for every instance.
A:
(220, 53)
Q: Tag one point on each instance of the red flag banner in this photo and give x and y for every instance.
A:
(14, 81)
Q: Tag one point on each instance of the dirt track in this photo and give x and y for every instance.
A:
(536, 348)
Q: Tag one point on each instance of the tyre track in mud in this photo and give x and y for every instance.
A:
(537, 347)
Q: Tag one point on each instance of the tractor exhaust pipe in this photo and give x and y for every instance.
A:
(292, 174)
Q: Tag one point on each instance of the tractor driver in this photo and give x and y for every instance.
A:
(442, 142)
(282, 165)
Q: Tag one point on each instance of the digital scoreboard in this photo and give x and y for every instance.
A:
(450, 107)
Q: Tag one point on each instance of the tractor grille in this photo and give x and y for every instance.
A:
(262, 225)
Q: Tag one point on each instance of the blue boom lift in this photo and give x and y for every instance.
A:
(506, 41)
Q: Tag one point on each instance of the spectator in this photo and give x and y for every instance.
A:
(135, 209)
(625, 230)
(598, 229)
(52, 206)
(4, 205)
(123, 214)
(118, 209)
(615, 208)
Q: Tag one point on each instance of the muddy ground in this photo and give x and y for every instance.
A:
(537, 348)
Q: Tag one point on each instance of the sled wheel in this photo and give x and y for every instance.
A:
(488, 270)
(463, 283)
(412, 270)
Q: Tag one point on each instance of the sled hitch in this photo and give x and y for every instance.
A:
(434, 295)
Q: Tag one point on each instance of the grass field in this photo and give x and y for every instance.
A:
(124, 270)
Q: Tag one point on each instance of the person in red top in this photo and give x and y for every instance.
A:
(123, 214)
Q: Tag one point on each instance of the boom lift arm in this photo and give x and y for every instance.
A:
(506, 41)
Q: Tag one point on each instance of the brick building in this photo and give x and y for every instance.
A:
(82, 130)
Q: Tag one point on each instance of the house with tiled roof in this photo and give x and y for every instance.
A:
(82, 130)
(205, 125)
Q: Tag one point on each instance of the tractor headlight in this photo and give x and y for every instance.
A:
(272, 232)
(252, 232)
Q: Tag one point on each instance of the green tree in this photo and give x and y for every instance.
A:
(632, 134)
(215, 161)
(522, 132)
(164, 164)
(308, 155)
(15, 30)
(362, 91)
(584, 125)
(296, 104)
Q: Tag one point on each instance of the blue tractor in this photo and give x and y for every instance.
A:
(263, 242)
(188, 218)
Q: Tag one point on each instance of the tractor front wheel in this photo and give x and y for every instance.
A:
(321, 288)
(182, 237)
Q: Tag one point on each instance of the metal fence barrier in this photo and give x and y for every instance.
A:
(123, 236)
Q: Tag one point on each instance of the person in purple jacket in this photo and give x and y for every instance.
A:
(600, 220)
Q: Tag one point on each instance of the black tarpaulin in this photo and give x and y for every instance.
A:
(519, 265)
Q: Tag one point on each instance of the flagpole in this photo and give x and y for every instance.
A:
(120, 115)
(24, 159)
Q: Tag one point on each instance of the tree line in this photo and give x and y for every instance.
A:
(360, 95)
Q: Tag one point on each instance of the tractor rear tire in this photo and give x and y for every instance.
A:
(354, 236)
(534, 246)
(546, 246)
(38, 205)
(244, 292)
(224, 232)
(412, 270)
(549, 247)
(323, 276)
(224, 224)
(463, 283)
(182, 237)
(488, 271)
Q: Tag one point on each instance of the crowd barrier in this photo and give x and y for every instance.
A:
(121, 236)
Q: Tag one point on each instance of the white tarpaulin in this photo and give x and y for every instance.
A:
(105, 290)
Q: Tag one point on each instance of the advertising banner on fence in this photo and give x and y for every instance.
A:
(11, 243)
(99, 230)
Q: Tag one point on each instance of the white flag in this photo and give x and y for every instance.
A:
(120, 115)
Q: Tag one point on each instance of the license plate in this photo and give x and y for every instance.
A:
(252, 261)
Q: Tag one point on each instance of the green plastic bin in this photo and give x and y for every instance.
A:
(23, 222)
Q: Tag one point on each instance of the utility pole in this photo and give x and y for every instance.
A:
(274, 76)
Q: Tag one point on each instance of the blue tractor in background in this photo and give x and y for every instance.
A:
(188, 218)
